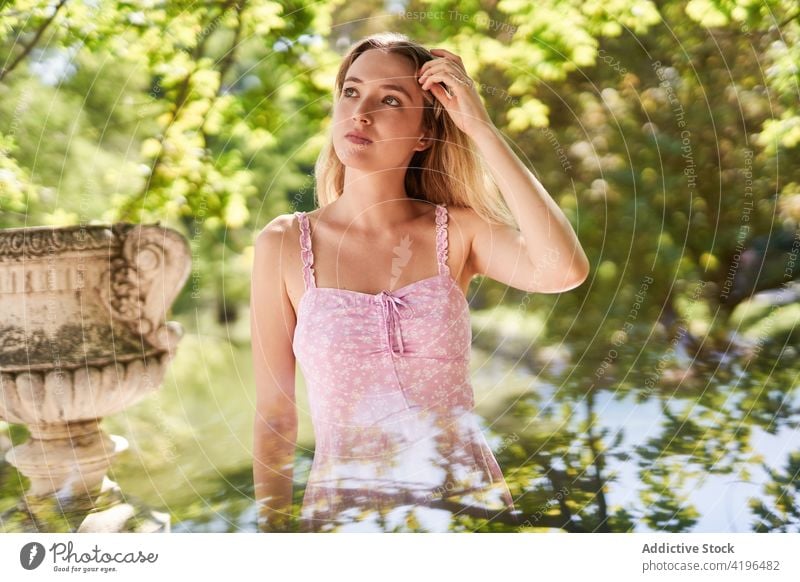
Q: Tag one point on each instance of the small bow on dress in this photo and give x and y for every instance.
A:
(391, 317)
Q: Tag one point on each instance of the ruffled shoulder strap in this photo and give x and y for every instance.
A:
(305, 249)
(441, 239)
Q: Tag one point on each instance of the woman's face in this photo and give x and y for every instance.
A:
(382, 100)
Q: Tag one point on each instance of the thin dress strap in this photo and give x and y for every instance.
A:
(305, 250)
(441, 239)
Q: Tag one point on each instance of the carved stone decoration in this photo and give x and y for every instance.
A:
(137, 288)
(82, 336)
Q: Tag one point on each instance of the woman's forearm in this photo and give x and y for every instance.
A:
(273, 470)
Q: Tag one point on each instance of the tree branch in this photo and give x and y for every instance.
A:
(29, 47)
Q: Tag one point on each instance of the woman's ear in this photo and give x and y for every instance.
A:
(423, 143)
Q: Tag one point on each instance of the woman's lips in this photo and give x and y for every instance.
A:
(358, 140)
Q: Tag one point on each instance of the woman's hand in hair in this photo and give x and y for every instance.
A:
(462, 103)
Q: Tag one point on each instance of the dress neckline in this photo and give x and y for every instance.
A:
(375, 296)
(441, 234)
(393, 291)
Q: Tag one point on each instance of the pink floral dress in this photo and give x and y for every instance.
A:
(398, 446)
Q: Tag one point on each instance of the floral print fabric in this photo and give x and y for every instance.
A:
(398, 446)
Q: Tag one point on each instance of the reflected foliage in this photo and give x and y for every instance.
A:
(667, 132)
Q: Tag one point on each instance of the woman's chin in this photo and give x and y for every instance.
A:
(357, 164)
(354, 151)
(360, 160)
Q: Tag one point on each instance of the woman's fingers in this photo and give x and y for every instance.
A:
(446, 67)
(454, 61)
(433, 77)
(445, 74)
(448, 53)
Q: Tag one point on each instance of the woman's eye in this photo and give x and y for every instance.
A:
(346, 89)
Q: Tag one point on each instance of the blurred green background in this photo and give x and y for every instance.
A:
(660, 395)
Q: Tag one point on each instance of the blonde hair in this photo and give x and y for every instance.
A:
(449, 172)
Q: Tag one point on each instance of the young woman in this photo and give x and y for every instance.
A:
(367, 294)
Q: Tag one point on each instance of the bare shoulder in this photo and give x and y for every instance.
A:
(277, 256)
(463, 224)
(466, 222)
(473, 224)
(464, 216)
(280, 224)
(273, 234)
(272, 243)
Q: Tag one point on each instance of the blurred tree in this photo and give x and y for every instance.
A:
(217, 98)
(781, 513)
(224, 102)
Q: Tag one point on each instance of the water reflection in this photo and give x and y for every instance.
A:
(411, 470)
(719, 451)
(682, 456)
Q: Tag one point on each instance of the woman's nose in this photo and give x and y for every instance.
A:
(362, 113)
(364, 109)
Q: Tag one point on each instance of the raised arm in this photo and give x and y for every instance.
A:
(544, 255)
(272, 323)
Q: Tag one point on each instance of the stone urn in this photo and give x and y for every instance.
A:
(82, 336)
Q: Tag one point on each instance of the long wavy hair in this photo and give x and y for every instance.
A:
(449, 172)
